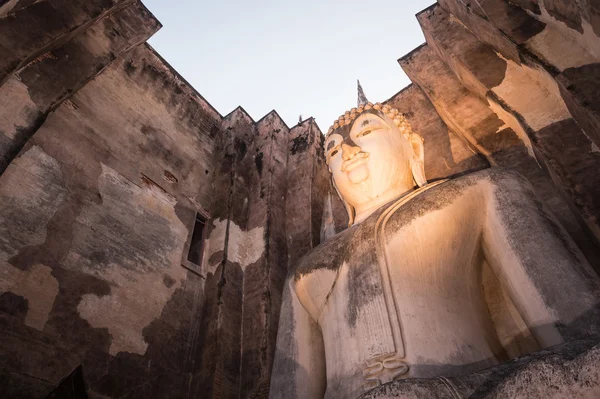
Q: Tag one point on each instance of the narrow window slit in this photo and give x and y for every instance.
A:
(197, 243)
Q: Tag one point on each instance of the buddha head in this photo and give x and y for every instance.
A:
(374, 157)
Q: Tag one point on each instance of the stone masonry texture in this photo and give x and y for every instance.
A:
(108, 156)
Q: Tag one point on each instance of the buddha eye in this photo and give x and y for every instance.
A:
(365, 133)
(333, 153)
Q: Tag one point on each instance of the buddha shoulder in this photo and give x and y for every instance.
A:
(482, 185)
(315, 274)
(474, 193)
(327, 256)
(488, 183)
(491, 183)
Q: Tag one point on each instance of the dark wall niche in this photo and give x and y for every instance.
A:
(258, 159)
(197, 243)
(214, 334)
(240, 148)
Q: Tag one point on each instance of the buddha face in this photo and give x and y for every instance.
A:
(368, 159)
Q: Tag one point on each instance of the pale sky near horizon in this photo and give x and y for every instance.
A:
(299, 58)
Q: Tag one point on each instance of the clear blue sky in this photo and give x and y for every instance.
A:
(298, 57)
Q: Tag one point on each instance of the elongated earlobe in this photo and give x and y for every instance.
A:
(417, 163)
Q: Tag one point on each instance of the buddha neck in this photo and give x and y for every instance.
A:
(365, 210)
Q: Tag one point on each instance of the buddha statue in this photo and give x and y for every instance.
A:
(431, 279)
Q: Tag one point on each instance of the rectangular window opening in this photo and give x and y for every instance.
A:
(197, 243)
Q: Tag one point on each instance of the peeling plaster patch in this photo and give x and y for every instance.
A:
(250, 245)
(590, 41)
(37, 285)
(134, 241)
(135, 227)
(135, 301)
(16, 107)
(244, 247)
(561, 48)
(587, 42)
(542, 105)
(31, 193)
(5, 9)
(215, 243)
(512, 122)
(40, 288)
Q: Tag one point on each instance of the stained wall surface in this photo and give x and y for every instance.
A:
(526, 62)
(97, 207)
(49, 49)
(107, 157)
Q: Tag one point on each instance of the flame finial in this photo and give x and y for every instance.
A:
(362, 99)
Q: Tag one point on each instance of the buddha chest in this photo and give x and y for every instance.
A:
(402, 296)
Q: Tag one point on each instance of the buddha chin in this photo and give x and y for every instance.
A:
(358, 174)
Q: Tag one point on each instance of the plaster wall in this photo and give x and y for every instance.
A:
(97, 209)
(220, 329)
(309, 192)
(525, 97)
(49, 38)
(107, 155)
(246, 256)
(446, 153)
(264, 279)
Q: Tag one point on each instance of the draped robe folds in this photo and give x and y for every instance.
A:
(401, 295)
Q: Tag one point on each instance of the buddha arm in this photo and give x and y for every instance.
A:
(547, 277)
(299, 366)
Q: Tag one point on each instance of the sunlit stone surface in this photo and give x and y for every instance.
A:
(145, 238)
(440, 280)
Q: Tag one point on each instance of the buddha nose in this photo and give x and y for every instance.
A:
(349, 151)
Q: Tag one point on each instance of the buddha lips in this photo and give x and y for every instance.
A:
(356, 161)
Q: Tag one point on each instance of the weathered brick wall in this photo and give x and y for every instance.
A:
(56, 47)
(312, 204)
(264, 279)
(447, 154)
(96, 210)
(246, 258)
(106, 156)
(495, 71)
(220, 332)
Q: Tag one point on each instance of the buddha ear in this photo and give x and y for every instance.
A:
(417, 163)
(349, 208)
